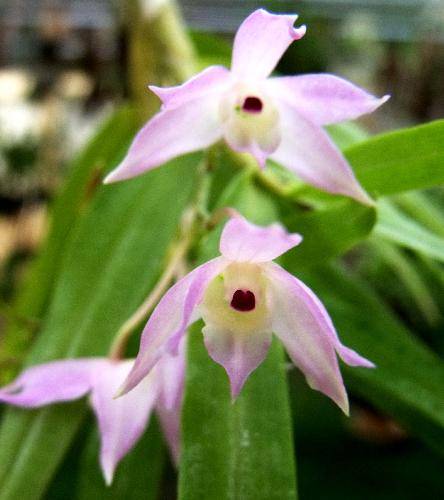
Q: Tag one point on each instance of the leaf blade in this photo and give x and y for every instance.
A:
(402, 160)
(241, 450)
(407, 382)
(399, 228)
(124, 263)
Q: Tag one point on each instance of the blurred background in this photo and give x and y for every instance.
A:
(64, 68)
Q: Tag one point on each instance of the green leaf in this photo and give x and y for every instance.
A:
(424, 209)
(32, 445)
(235, 450)
(211, 49)
(408, 381)
(408, 275)
(346, 134)
(407, 159)
(113, 260)
(327, 232)
(395, 226)
(242, 449)
(104, 151)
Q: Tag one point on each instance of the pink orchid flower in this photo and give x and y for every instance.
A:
(276, 117)
(243, 297)
(121, 421)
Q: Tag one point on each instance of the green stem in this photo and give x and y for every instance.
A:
(193, 224)
(160, 52)
(178, 254)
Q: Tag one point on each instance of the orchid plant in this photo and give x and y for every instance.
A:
(220, 326)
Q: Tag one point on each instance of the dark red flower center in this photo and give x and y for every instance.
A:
(243, 301)
(252, 105)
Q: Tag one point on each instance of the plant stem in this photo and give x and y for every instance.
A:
(219, 215)
(173, 267)
(193, 221)
(160, 51)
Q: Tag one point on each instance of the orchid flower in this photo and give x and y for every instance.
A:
(269, 117)
(121, 421)
(243, 297)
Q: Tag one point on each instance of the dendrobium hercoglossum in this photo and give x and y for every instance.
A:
(121, 421)
(276, 117)
(243, 297)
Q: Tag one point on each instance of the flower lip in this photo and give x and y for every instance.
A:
(252, 104)
(243, 301)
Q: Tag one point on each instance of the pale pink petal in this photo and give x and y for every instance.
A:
(170, 371)
(307, 150)
(259, 150)
(245, 242)
(239, 354)
(170, 319)
(302, 323)
(170, 423)
(349, 356)
(322, 98)
(172, 132)
(121, 421)
(213, 79)
(51, 383)
(261, 41)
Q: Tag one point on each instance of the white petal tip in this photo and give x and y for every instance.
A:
(235, 391)
(121, 392)
(111, 178)
(259, 157)
(298, 33)
(377, 102)
(296, 238)
(368, 364)
(236, 385)
(261, 162)
(370, 202)
(108, 475)
(364, 198)
(344, 405)
(156, 90)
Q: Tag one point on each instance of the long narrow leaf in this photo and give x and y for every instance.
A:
(242, 449)
(405, 231)
(114, 258)
(104, 151)
(407, 159)
(408, 381)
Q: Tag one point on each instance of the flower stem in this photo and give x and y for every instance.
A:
(173, 268)
(219, 215)
(160, 51)
(193, 221)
